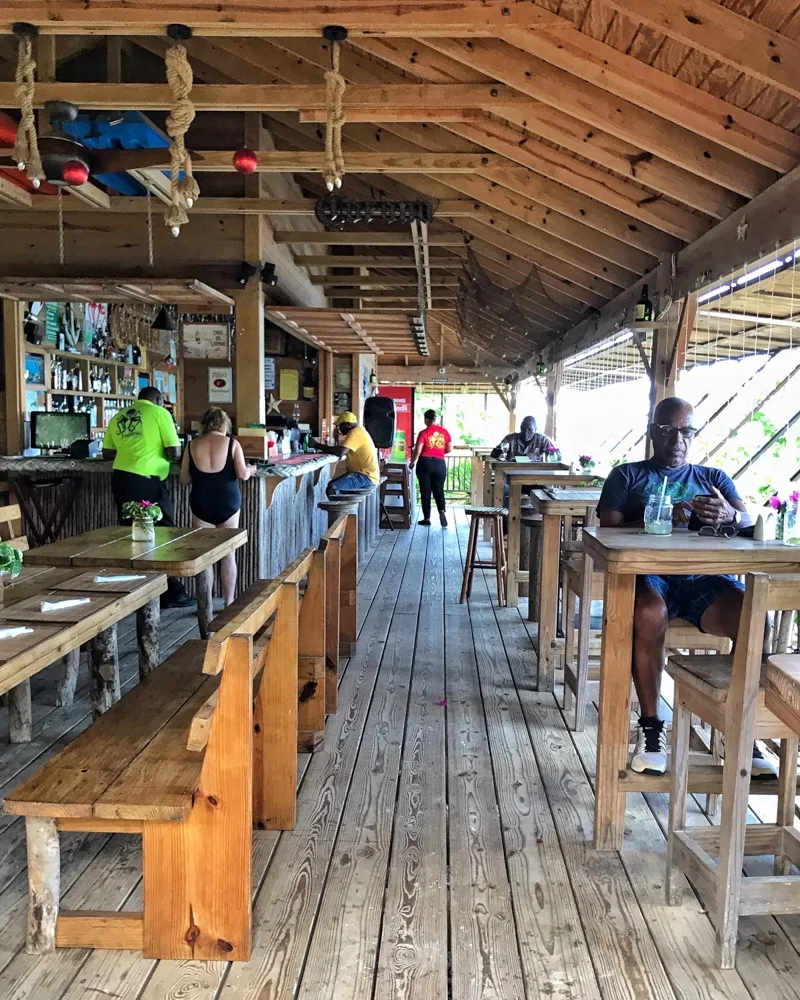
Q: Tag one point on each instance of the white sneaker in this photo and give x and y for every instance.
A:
(762, 769)
(650, 752)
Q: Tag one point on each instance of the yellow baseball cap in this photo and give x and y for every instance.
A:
(346, 418)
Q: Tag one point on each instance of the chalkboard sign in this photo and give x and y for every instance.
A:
(342, 401)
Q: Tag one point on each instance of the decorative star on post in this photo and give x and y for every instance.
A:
(273, 404)
(741, 231)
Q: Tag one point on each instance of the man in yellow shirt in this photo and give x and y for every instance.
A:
(142, 441)
(358, 450)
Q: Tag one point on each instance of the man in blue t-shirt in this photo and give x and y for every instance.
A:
(712, 603)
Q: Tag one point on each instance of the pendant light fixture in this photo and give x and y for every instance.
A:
(164, 322)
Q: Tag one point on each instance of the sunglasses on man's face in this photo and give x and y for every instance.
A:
(667, 430)
(718, 531)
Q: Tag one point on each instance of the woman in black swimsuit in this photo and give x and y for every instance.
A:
(214, 464)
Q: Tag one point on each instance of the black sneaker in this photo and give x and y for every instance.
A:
(442, 519)
(178, 602)
(425, 524)
(650, 752)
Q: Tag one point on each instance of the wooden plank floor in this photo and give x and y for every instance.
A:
(443, 840)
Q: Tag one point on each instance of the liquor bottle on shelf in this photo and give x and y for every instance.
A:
(137, 355)
(643, 310)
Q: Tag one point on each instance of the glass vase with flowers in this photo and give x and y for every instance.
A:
(144, 515)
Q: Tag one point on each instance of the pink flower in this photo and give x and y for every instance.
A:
(145, 503)
(775, 502)
(794, 497)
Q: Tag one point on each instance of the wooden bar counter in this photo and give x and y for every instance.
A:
(279, 505)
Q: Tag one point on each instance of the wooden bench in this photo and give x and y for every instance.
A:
(322, 592)
(192, 758)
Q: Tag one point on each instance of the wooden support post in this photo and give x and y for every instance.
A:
(348, 619)
(275, 722)
(14, 357)
(554, 375)
(104, 688)
(250, 407)
(668, 355)
(44, 884)
(325, 389)
(311, 660)
(20, 725)
(65, 693)
(512, 409)
(148, 628)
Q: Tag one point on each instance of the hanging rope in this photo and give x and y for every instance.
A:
(183, 189)
(26, 147)
(335, 85)
(149, 227)
(61, 226)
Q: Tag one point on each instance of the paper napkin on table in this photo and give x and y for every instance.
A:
(12, 633)
(119, 578)
(72, 602)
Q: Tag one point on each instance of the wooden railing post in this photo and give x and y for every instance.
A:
(275, 721)
(311, 659)
(348, 620)
(333, 558)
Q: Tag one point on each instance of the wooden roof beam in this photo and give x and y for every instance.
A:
(401, 238)
(300, 18)
(572, 95)
(723, 34)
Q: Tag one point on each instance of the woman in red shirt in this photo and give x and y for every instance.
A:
(432, 445)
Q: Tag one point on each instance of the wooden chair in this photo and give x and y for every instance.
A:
(728, 692)
(582, 585)
(11, 527)
(494, 516)
(191, 759)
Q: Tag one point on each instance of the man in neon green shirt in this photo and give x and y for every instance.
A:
(142, 441)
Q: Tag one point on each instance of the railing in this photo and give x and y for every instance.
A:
(458, 483)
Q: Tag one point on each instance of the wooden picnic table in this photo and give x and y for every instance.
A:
(60, 632)
(622, 553)
(556, 512)
(531, 475)
(175, 551)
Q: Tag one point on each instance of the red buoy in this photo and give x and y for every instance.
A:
(75, 173)
(245, 160)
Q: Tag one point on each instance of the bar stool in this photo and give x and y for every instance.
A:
(383, 513)
(335, 509)
(492, 517)
(397, 485)
(731, 694)
(360, 497)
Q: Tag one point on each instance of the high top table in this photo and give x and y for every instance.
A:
(622, 553)
(175, 551)
(555, 510)
(530, 475)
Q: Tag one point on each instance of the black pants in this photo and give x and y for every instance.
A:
(431, 473)
(127, 486)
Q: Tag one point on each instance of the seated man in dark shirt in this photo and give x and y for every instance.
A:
(527, 443)
(712, 603)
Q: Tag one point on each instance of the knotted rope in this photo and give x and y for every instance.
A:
(183, 189)
(335, 85)
(26, 147)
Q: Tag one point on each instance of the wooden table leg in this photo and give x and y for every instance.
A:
(44, 882)
(20, 725)
(205, 607)
(548, 600)
(148, 627)
(104, 687)
(614, 726)
(512, 576)
(65, 693)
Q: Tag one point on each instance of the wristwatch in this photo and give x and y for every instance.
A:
(737, 516)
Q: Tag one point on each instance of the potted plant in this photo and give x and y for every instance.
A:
(553, 453)
(144, 514)
(587, 463)
(786, 517)
(10, 561)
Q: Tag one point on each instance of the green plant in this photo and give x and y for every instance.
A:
(142, 510)
(10, 559)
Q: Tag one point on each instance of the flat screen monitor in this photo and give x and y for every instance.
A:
(57, 431)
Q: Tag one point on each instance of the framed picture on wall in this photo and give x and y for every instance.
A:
(208, 341)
